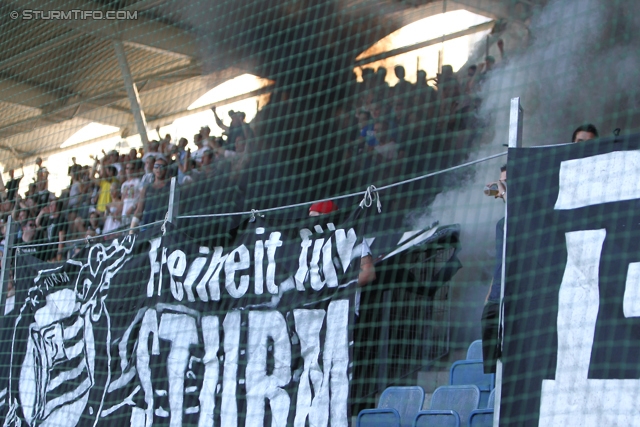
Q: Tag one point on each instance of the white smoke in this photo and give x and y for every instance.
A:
(581, 65)
(476, 213)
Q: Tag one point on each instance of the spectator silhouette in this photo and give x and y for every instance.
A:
(403, 88)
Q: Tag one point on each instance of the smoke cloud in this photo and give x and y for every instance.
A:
(581, 64)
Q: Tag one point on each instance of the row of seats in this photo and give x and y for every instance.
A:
(468, 400)
(471, 371)
(451, 406)
(481, 417)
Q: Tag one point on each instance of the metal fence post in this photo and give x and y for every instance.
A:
(174, 201)
(515, 141)
(4, 273)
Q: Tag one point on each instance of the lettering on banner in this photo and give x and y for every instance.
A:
(316, 266)
(572, 399)
(322, 390)
(179, 365)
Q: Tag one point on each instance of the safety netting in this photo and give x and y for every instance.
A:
(319, 213)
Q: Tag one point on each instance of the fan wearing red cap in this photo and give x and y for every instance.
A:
(367, 269)
(322, 208)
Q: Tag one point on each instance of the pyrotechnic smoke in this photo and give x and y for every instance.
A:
(581, 65)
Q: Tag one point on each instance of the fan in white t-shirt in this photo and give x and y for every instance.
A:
(130, 191)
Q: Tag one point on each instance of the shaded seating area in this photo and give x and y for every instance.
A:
(483, 417)
(474, 352)
(471, 372)
(450, 406)
(397, 406)
(378, 418)
(437, 419)
(468, 400)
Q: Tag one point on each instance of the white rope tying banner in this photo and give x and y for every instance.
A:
(346, 196)
(369, 195)
(164, 223)
(88, 239)
(254, 213)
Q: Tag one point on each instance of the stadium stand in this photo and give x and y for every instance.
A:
(475, 350)
(458, 400)
(401, 136)
(407, 401)
(483, 417)
(437, 419)
(378, 418)
(464, 372)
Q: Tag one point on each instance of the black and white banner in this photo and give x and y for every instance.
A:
(156, 330)
(572, 298)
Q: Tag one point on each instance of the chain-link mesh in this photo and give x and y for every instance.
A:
(272, 213)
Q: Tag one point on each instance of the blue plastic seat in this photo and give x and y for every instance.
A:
(472, 372)
(378, 418)
(474, 352)
(437, 419)
(407, 401)
(492, 399)
(462, 399)
(481, 418)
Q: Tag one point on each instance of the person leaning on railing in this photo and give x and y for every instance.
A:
(29, 236)
(52, 225)
(154, 199)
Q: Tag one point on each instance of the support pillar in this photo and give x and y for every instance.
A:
(132, 93)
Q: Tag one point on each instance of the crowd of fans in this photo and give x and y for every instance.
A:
(118, 193)
(393, 122)
(121, 192)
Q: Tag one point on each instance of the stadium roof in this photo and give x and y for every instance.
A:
(57, 75)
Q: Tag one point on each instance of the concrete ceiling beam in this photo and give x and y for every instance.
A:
(139, 29)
